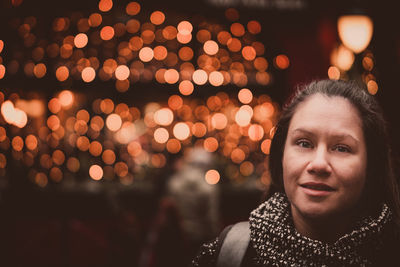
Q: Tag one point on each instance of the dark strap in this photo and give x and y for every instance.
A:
(234, 245)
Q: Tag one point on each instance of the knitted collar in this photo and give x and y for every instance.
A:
(277, 242)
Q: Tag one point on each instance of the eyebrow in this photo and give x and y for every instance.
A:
(338, 136)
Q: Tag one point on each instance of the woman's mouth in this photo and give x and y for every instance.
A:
(317, 186)
(317, 189)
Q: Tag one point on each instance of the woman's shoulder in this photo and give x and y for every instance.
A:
(208, 252)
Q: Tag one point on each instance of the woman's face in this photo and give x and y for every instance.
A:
(324, 159)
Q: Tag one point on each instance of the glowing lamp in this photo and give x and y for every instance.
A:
(355, 31)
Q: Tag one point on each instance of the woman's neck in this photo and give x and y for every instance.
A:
(326, 229)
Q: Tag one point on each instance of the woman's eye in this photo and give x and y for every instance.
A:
(303, 143)
(342, 148)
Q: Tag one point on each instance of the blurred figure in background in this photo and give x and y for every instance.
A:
(196, 200)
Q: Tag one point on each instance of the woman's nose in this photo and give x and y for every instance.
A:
(319, 162)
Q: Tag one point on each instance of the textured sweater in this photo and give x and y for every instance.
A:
(274, 241)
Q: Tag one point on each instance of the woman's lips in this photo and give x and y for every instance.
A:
(317, 189)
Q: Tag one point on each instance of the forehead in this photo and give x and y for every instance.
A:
(333, 113)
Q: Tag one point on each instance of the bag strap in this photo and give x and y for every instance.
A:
(234, 245)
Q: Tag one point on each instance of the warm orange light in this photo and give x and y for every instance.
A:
(1, 45)
(146, 54)
(261, 64)
(183, 38)
(160, 52)
(171, 76)
(263, 78)
(333, 73)
(83, 115)
(237, 29)
(113, 122)
(243, 117)
(246, 168)
(108, 156)
(88, 74)
(245, 96)
(186, 87)
(282, 61)
(31, 142)
(237, 155)
(249, 53)
(219, 121)
(164, 116)
(107, 33)
(58, 157)
(2, 71)
(8, 111)
(3, 134)
(263, 112)
(342, 57)
(210, 144)
(203, 35)
(39, 70)
(199, 77)
(133, 8)
(254, 27)
(3, 161)
(41, 179)
(105, 5)
(56, 174)
(175, 102)
(181, 131)
(223, 37)
(169, 32)
(199, 129)
(234, 44)
(95, 148)
(96, 172)
(134, 148)
(355, 31)
(216, 78)
(82, 143)
(54, 105)
(158, 160)
(133, 26)
(157, 17)
(265, 146)
(53, 122)
(17, 143)
(97, 123)
(147, 36)
(256, 132)
(185, 53)
(122, 72)
(62, 73)
(73, 164)
(161, 135)
(13, 115)
(210, 47)
(173, 146)
(106, 106)
(372, 87)
(185, 27)
(212, 177)
(95, 20)
(121, 169)
(81, 40)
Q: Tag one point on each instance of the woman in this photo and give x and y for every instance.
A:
(334, 200)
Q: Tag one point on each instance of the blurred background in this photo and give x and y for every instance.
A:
(133, 131)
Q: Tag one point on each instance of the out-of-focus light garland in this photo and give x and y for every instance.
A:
(107, 140)
(343, 61)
